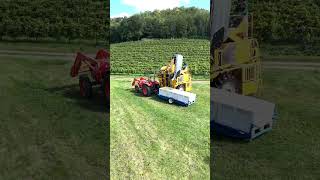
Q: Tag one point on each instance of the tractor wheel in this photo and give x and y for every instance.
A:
(136, 89)
(85, 87)
(181, 88)
(156, 89)
(146, 91)
(105, 87)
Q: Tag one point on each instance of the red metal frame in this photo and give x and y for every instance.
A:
(99, 68)
(154, 85)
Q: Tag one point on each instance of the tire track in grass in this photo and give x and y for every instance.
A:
(132, 125)
(197, 125)
(123, 149)
(148, 136)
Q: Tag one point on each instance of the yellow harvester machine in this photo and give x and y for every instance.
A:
(176, 74)
(235, 56)
(236, 67)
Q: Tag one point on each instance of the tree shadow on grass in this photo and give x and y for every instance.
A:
(96, 103)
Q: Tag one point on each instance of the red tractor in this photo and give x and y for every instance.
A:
(92, 72)
(146, 86)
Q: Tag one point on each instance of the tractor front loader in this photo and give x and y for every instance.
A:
(92, 72)
(145, 85)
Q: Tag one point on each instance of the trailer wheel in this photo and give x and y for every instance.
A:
(170, 101)
(85, 87)
(146, 91)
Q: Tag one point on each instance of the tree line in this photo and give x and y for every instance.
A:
(54, 19)
(287, 21)
(274, 21)
(170, 23)
(291, 21)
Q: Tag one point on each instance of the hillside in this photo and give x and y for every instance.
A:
(146, 56)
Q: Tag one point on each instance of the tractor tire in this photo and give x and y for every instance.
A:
(146, 90)
(105, 87)
(85, 87)
(156, 89)
(181, 88)
(136, 89)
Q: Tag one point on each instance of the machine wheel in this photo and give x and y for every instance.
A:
(105, 86)
(227, 82)
(85, 87)
(146, 91)
(170, 101)
(136, 88)
(229, 86)
(181, 88)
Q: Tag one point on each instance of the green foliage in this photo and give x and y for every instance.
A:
(170, 23)
(38, 19)
(293, 21)
(148, 56)
(287, 21)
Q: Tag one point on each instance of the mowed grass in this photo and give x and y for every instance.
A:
(292, 149)
(47, 130)
(151, 139)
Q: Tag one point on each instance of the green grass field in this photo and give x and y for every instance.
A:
(47, 130)
(151, 139)
(291, 150)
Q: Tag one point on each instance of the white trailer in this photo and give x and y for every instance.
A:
(240, 116)
(177, 96)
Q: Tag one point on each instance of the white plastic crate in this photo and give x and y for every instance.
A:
(177, 96)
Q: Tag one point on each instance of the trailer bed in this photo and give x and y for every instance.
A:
(240, 116)
(174, 95)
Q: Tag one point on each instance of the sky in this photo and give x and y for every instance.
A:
(121, 8)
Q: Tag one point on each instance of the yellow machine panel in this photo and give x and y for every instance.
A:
(236, 64)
